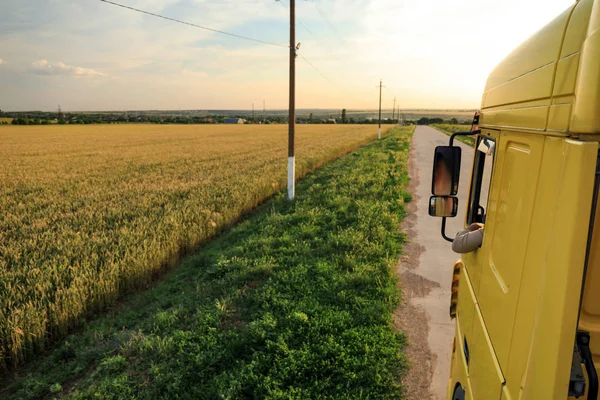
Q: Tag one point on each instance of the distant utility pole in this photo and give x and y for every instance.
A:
(393, 110)
(252, 112)
(380, 89)
(292, 110)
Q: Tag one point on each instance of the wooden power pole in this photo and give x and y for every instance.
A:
(380, 89)
(292, 110)
(393, 110)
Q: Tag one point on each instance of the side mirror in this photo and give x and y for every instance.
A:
(446, 171)
(442, 206)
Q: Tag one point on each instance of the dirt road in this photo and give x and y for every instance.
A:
(426, 272)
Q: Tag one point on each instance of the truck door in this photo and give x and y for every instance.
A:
(485, 376)
(507, 225)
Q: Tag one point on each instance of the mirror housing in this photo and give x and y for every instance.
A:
(443, 206)
(446, 171)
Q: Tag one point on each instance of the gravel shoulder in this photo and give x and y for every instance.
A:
(426, 271)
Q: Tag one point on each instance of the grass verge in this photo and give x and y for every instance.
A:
(294, 302)
(449, 129)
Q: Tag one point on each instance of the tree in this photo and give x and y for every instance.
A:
(454, 121)
(310, 118)
(344, 116)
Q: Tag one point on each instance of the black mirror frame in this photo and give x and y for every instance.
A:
(454, 206)
(455, 134)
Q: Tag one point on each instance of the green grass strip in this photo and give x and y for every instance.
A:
(450, 129)
(295, 302)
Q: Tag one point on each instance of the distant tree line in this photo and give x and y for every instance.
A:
(430, 121)
(47, 118)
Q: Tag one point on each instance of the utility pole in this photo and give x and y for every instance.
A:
(380, 89)
(253, 113)
(292, 110)
(393, 110)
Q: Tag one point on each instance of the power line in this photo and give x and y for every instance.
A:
(323, 75)
(282, 2)
(193, 25)
(327, 21)
(315, 68)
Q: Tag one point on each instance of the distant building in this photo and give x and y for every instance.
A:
(233, 121)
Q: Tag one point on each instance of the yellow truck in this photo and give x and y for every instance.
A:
(527, 301)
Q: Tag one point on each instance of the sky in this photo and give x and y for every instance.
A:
(89, 55)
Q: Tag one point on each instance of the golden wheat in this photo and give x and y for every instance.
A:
(89, 213)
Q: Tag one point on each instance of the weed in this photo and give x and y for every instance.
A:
(294, 302)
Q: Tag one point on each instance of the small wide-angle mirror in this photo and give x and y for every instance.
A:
(446, 171)
(486, 146)
(443, 206)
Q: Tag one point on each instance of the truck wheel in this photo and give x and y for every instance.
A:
(459, 393)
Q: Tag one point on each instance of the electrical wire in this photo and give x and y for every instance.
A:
(325, 76)
(299, 22)
(327, 21)
(194, 25)
(228, 34)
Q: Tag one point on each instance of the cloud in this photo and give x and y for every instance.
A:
(43, 67)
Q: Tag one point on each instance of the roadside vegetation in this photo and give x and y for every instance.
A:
(296, 301)
(90, 213)
(449, 129)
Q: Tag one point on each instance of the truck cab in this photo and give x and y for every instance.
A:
(527, 301)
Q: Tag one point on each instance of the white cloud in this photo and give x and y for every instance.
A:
(43, 67)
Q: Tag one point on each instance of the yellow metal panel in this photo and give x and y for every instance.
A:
(547, 196)
(458, 373)
(555, 318)
(506, 394)
(466, 307)
(517, 118)
(508, 225)
(539, 50)
(563, 100)
(559, 117)
(590, 308)
(566, 75)
(525, 104)
(534, 85)
(472, 261)
(577, 29)
(484, 373)
(586, 112)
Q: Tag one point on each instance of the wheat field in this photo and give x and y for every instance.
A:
(90, 213)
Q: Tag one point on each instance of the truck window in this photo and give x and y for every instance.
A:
(482, 176)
